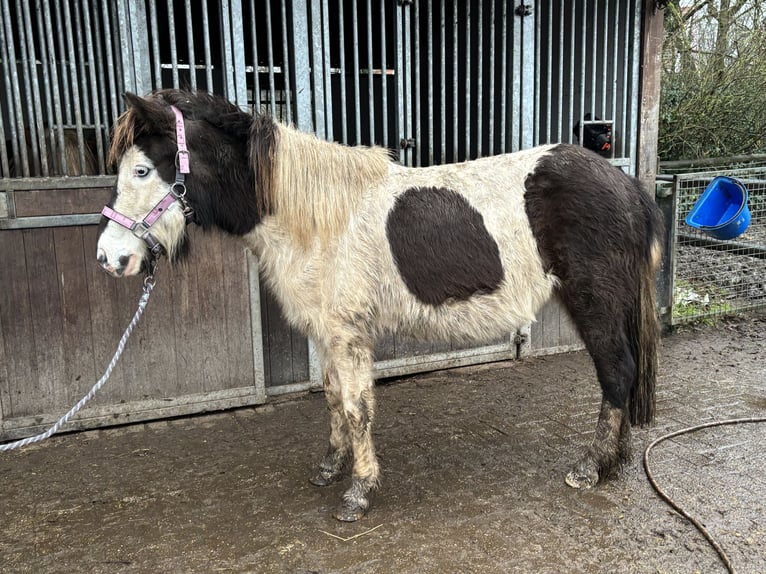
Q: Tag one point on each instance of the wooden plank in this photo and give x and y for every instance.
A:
(18, 357)
(45, 388)
(35, 203)
(649, 112)
(79, 372)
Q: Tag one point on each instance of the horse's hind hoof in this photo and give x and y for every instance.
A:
(349, 512)
(580, 477)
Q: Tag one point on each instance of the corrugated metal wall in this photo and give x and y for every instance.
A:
(434, 81)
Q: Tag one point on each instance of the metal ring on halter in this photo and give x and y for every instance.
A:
(182, 185)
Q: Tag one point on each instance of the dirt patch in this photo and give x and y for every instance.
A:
(473, 462)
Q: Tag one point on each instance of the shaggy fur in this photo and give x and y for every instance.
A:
(353, 245)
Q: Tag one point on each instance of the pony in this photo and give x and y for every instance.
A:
(354, 245)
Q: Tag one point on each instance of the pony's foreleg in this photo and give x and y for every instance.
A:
(353, 362)
(334, 461)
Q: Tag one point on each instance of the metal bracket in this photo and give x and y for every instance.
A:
(523, 10)
(7, 205)
(406, 2)
(520, 338)
(407, 143)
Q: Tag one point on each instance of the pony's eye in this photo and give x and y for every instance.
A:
(141, 171)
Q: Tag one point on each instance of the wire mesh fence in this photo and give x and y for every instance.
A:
(711, 276)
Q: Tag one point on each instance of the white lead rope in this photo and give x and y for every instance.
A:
(148, 286)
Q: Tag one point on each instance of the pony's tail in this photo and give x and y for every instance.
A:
(644, 336)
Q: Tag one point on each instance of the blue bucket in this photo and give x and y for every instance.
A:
(721, 211)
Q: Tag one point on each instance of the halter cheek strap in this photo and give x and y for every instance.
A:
(142, 229)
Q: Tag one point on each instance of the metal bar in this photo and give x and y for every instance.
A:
(75, 86)
(65, 90)
(572, 47)
(270, 56)
(468, 71)
(5, 166)
(18, 137)
(560, 94)
(516, 98)
(256, 73)
(407, 28)
(417, 100)
(384, 75)
(504, 78)
(155, 35)
(100, 89)
(370, 66)
(455, 69)
(37, 123)
(634, 83)
(527, 101)
(301, 40)
(285, 65)
(357, 101)
(82, 79)
(172, 38)
(549, 89)
(480, 82)
(95, 100)
(209, 85)
(327, 64)
(317, 71)
(625, 91)
(58, 115)
(343, 100)
(443, 79)
(594, 62)
(537, 83)
(605, 63)
(615, 67)
(583, 67)
(238, 43)
(256, 326)
(491, 95)
(741, 248)
(430, 83)
(190, 46)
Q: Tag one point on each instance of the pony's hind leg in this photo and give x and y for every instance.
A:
(616, 371)
(334, 462)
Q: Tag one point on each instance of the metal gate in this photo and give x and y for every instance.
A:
(434, 81)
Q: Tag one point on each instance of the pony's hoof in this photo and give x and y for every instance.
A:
(325, 478)
(349, 512)
(580, 477)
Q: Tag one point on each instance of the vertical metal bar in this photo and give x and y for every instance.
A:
(209, 85)
(443, 87)
(594, 63)
(560, 92)
(370, 77)
(615, 67)
(256, 72)
(326, 53)
(93, 86)
(172, 39)
(101, 79)
(155, 35)
(317, 70)
(5, 166)
(227, 47)
(625, 91)
(417, 98)
(57, 111)
(256, 325)
(468, 71)
(301, 39)
(516, 97)
(503, 77)
(583, 66)
(455, 107)
(528, 99)
(190, 46)
(407, 27)
(538, 55)
(18, 137)
(65, 90)
(137, 52)
(634, 86)
(401, 72)
(75, 86)
(238, 54)
(384, 71)
(480, 82)
(549, 76)
(430, 81)
(491, 95)
(46, 91)
(357, 101)
(572, 47)
(34, 104)
(285, 65)
(605, 63)
(270, 56)
(343, 100)
(82, 77)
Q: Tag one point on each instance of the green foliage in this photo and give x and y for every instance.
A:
(700, 305)
(714, 80)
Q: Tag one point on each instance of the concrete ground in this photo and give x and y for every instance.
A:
(473, 460)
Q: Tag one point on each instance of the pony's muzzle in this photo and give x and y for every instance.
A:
(125, 265)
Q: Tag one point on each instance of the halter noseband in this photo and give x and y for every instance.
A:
(142, 229)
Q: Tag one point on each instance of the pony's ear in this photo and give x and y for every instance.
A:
(153, 116)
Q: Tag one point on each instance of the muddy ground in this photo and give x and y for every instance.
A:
(473, 461)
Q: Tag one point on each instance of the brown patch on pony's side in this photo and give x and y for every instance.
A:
(264, 142)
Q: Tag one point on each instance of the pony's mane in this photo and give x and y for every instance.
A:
(316, 185)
